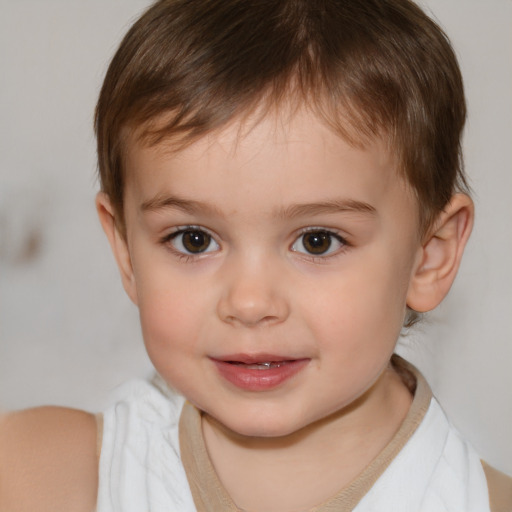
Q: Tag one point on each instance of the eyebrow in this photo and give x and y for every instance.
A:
(331, 206)
(297, 210)
(186, 205)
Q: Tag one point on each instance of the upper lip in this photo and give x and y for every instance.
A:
(254, 358)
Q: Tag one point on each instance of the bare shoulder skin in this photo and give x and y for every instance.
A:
(48, 460)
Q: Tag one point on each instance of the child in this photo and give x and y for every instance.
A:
(282, 190)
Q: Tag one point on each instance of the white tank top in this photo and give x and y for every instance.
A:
(141, 469)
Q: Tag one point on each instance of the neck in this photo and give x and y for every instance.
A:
(281, 473)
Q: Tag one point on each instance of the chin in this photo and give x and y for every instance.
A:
(259, 425)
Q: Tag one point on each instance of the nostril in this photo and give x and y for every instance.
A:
(252, 298)
(248, 322)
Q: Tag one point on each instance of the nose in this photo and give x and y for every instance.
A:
(252, 296)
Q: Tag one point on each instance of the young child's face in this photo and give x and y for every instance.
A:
(281, 244)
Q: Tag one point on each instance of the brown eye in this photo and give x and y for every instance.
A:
(196, 241)
(318, 243)
(193, 241)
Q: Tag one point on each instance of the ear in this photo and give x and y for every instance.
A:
(118, 243)
(440, 255)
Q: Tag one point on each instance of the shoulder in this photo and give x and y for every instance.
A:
(48, 460)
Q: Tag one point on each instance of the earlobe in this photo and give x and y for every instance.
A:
(117, 242)
(440, 255)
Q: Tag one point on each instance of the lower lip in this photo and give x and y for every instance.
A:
(259, 380)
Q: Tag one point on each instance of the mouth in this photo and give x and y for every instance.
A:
(260, 372)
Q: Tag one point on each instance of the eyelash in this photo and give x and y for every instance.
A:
(184, 256)
(323, 257)
(319, 258)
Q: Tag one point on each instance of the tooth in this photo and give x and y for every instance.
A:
(266, 365)
(258, 366)
(262, 366)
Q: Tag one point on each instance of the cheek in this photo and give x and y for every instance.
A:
(363, 307)
(171, 336)
(168, 314)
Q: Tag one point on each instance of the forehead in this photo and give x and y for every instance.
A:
(282, 157)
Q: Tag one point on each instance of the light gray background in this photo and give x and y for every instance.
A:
(68, 334)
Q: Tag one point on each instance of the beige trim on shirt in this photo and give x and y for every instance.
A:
(210, 495)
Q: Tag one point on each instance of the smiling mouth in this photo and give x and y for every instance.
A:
(261, 372)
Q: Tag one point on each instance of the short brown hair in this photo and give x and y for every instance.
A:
(368, 67)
